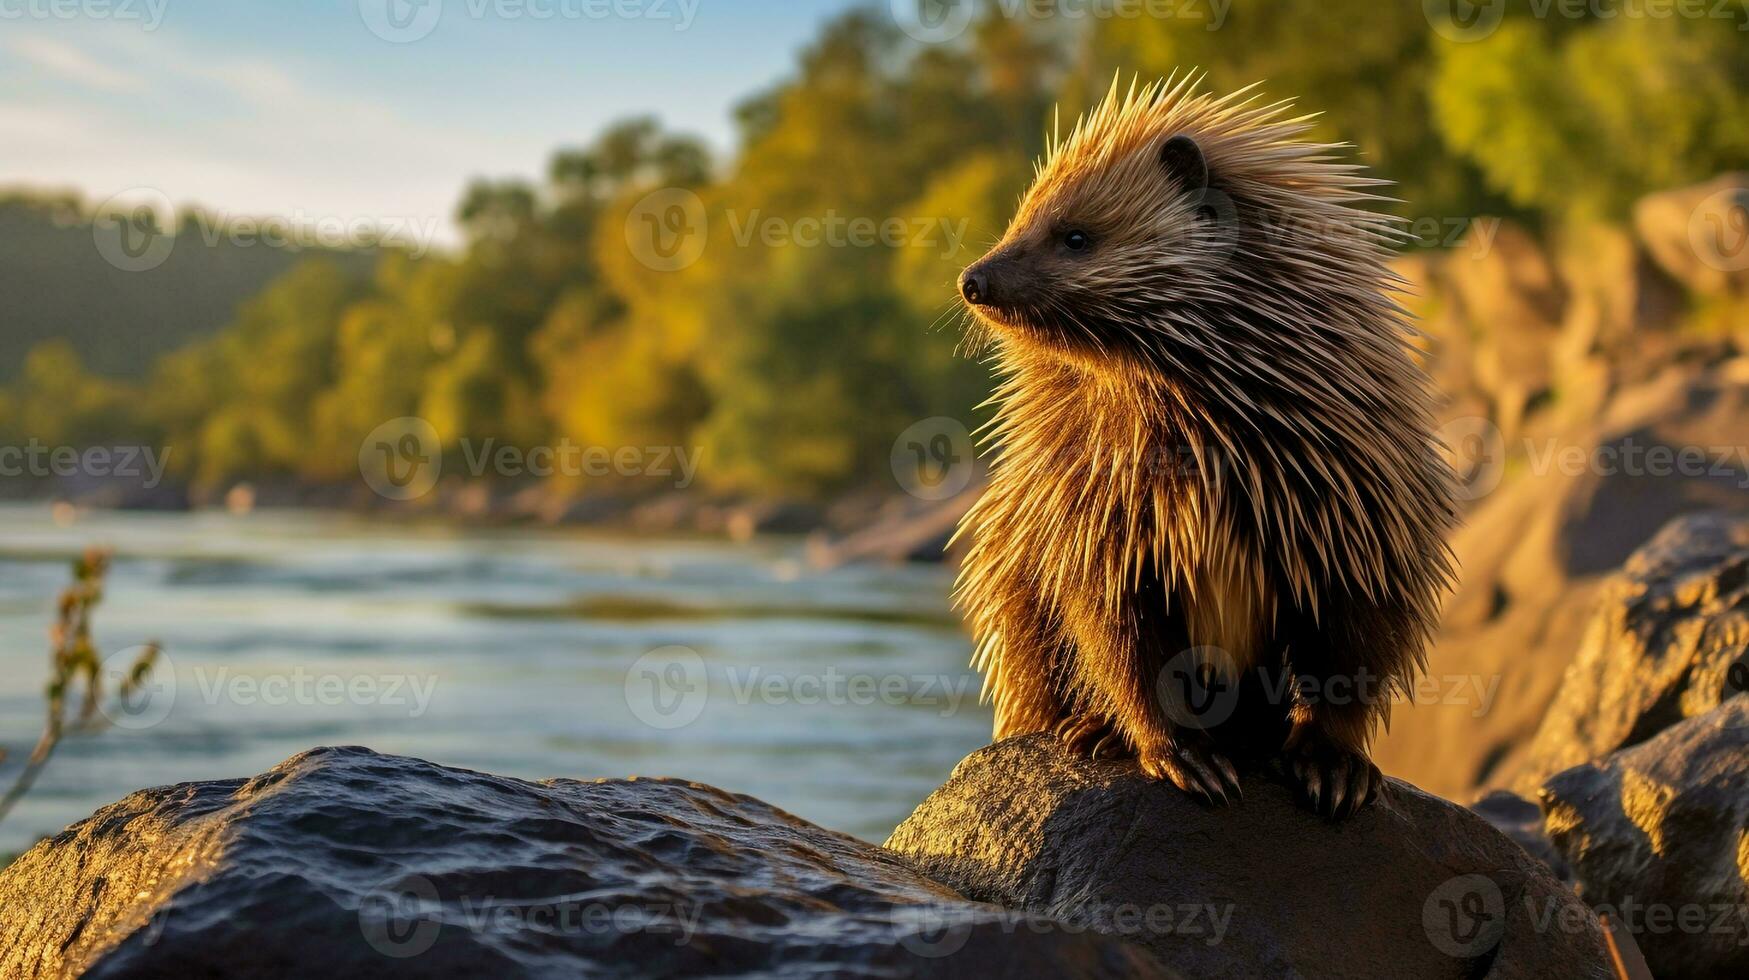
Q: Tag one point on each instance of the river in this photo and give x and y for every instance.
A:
(843, 697)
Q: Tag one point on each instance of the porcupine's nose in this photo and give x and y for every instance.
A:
(975, 286)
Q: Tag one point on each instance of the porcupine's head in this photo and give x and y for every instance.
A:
(1173, 234)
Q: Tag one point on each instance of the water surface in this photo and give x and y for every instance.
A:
(843, 697)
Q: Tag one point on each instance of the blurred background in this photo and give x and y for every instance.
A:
(567, 388)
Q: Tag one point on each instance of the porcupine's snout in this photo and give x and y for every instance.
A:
(993, 281)
(975, 284)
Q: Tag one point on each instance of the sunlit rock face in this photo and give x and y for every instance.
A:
(1669, 641)
(1659, 835)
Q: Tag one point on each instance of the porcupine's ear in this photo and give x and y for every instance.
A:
(1184, 162)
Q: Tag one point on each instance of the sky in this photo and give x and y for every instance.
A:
(349, 110)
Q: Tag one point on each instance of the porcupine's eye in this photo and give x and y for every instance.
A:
(1075, 241)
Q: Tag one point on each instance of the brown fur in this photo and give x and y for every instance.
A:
(1209, 433)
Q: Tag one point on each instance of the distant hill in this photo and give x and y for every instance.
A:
(56, 283)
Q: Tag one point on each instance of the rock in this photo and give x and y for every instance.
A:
(1670, 630)
(1700, 234)
(1509, 296)
(920, 531)
(1522, 821)
(1566, 508)
(772, 517)
(348, 863)
(1618, 326)
(1413, 886)
(1658, 835)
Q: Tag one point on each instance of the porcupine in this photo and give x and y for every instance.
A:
(1212, 450)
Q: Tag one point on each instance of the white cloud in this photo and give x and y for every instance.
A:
(70, 63)
(238, 134)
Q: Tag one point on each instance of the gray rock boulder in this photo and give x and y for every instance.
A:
(1657, 836)
(343, 862)
(1670, 641)
(1413, 886)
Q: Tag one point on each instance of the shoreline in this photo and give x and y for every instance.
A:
(855, 526)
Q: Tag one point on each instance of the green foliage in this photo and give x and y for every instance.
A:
(57, 286)
(1581, 123)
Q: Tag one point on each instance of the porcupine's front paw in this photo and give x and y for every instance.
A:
(1090, 736)
(1335, 780)
(1190, 761)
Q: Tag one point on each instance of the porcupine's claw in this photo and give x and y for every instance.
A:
(1194, 765)
(1090, 737)
(1335, 781)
